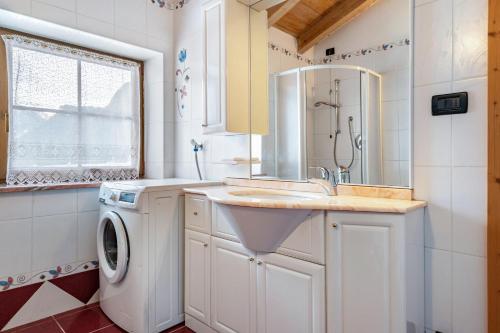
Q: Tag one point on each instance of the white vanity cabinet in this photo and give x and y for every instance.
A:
(233, 288)
(264, 293)
(290, 295)
(246, 290)
(338, 272)
(227, 70)
(197, 276)
(375, 274)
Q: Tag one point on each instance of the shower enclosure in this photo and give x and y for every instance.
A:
(325, 122)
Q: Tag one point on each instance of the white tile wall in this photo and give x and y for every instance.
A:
(54, 202)
(53, 14)
(16, 206)
(450, 161)
(54, 241)
(45, 229)
(438, 290)
(432, 145)
(15, 239)
(434, 185)
(469, 142)
(102, 10)
(470, 31)
(469, 294)
(433, 42)
(469, 210)
(87, 235)
(64, 4)
(94, 26)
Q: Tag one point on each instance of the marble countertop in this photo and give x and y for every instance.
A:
(232, 195)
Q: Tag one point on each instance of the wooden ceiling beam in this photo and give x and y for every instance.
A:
(332, 20)
(282, 10)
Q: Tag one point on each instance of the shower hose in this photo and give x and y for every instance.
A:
(337, 165)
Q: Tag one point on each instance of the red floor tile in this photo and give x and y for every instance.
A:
(184, 330)
(88, 320)
(174, 328)
(47, 325)
(110, 329)
(80, 309)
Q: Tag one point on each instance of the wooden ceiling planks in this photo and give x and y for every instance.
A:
(312, 20)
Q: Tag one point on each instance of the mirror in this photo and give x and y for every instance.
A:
(333, 78)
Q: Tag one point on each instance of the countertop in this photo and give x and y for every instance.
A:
(315, 201)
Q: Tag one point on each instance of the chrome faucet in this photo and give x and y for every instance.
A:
(328, 187)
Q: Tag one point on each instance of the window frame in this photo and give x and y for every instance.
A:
(4, 102)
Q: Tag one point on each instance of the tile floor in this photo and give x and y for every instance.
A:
(87, 319)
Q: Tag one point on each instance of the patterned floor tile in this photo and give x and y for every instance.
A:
(12, 300)
(82, 286)
(47, 325)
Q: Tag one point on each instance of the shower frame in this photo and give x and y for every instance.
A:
(299, 72)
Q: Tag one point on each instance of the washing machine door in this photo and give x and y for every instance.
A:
(112, 247)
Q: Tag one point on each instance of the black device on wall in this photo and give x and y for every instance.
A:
(330, 51)
(450, 104)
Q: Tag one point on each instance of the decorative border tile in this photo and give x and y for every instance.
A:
(343, 56)
(24, 279)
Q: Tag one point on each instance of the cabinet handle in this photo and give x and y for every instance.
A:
(195, 213)
(205, 245)
(259, 262)
(334, 225)
(251, 259)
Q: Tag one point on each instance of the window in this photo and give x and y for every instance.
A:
(74, 115)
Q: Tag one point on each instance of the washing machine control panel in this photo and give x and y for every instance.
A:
(119, 197)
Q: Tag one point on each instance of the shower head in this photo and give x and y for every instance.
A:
(318, 104)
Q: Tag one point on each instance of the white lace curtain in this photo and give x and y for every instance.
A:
(74, 115)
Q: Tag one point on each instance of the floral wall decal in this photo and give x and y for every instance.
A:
(182, 84)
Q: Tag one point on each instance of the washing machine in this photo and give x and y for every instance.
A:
(140, 250)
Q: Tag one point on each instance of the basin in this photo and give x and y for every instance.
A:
(264, 229)
(273, 195)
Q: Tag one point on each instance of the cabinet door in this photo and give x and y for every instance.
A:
(165, 255)
(214, 88)
(220, 225)
(198, 217)
(291, 295)
(197, 277)
(233, 288)
(359, 278)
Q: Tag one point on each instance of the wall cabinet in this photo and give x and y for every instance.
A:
(227, 70)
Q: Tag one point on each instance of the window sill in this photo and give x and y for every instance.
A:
(4, 188)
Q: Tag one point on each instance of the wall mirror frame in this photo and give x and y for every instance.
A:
(345, 116)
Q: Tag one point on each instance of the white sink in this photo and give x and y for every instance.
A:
(264, 229)
(273, 195)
